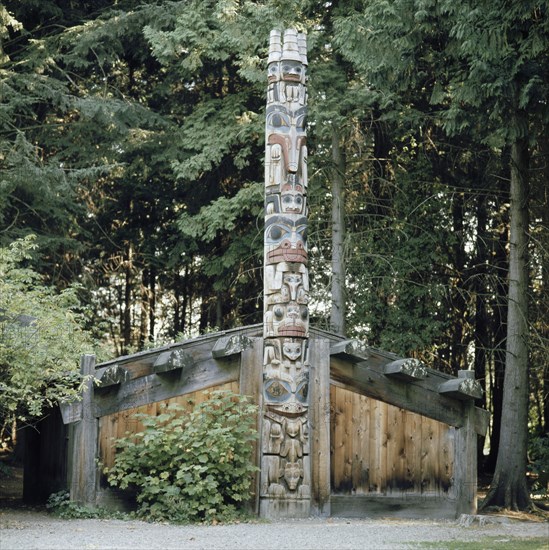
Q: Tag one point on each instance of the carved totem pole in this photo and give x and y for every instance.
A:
(285, 464)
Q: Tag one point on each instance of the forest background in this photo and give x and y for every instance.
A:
(132, 147)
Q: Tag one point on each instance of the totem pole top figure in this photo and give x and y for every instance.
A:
(288, 62)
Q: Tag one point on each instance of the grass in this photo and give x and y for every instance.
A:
(490, 543)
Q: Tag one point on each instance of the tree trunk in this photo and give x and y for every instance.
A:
(458, 358)
(543, 299)
(152, 302)
(337, 316)
(144, 314)
(509, 488)
(481, 334)
(128, 290)
(499, 331)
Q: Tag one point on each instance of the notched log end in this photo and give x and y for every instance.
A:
(353, 350)
(406, 369)
(171, 361)
(113, 376)
(461, 388)
(226, 346)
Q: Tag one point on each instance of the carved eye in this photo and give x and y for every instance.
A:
(291, 68)
(275, 233)
(277, 390)
(301, 123)
(302, 392)
(279, 312)
(278, 121)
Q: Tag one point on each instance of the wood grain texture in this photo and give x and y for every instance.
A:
(319, 418)
(384, 450)
(83, 485)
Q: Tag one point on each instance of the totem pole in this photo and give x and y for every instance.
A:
(285, 464)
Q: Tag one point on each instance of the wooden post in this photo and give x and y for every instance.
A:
(285, 488)
(465, 458)
(319, 418)
(83, 483)
(251, 383)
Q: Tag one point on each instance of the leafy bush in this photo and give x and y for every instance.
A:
(41, 339)
(539, 464)
(60, 505)
(190, 466)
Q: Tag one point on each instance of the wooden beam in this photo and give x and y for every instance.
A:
(113, 376)
(227, 346)
(465, 460)
(319, 419)
(464, 387)
(406, 369)
(71, 412)
(251, 384)
(199, 375)
(352, 350)
(83, 477)
(172, 360)
(200, 349)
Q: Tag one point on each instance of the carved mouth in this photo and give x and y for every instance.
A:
(292, 255)
(292, 331)
(288, 409)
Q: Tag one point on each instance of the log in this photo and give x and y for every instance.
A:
(319, 418)
(83, 479)
(464, 387)
(406, 369)
(465, 460)
(113, 376)
(352, 350)
(171, 361)
(227, 346)
(200, 375)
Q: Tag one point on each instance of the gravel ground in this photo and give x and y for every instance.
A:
(31, 529)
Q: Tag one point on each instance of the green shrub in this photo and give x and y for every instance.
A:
(60, 505)
(190, 466)
(539, 464)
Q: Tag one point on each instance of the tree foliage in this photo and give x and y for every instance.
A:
(41, 339)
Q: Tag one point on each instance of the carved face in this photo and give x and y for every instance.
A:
(293, 280)
(292, 474)
(292, 70)
(290, 320)
(285, 239)
(292, 350)
(287, 396)
(287, 128)
(292, 202)
(273, 72)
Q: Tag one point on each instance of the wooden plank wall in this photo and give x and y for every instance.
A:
(117, 424)
(381, 449)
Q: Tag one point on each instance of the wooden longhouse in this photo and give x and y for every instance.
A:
(387, 435)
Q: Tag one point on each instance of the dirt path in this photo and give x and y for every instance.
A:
(23, 527)
(35, 529)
